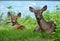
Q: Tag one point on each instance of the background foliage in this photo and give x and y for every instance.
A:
(7, 34)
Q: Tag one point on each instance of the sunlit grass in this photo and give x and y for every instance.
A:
(7, 34)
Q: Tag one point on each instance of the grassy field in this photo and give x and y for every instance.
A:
(7, 34)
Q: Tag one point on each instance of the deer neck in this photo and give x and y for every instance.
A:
(38, 21)
(15, 23)
(44, 25)
(42, 21)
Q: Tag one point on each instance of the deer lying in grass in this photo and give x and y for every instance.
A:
(48, 27)
(15, 24)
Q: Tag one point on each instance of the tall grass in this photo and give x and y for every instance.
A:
(7, 34)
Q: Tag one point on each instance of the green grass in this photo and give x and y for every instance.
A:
(7, 34)
(26, 35)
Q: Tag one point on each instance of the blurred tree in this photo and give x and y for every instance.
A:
(57, 8)
(9, 8)
(1, 20)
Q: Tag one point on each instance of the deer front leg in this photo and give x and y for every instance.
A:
(37, 28)
(21, 27)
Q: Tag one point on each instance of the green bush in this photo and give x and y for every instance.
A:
(7, 34)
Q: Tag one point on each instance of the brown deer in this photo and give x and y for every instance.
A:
(48, 27)
(15, 24)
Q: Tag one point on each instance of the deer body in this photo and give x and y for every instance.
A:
(37, 28)
(48, 27)
(15, 24)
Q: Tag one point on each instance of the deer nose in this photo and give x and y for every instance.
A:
(13, 20)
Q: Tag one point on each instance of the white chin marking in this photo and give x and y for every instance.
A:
(13, 20)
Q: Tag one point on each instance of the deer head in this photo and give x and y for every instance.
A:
(38, 13)
(14, 18)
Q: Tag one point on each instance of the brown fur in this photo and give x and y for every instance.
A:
(48, 27)
(15, 24)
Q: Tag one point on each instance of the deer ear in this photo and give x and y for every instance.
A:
(31, 9)
(9, 14)
(44, 8)
(19, 14)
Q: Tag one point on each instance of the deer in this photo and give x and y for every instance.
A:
(43, 25)
(15, 24)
